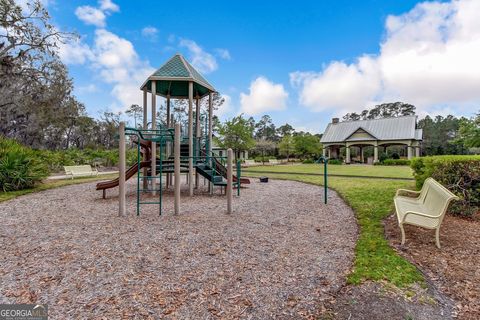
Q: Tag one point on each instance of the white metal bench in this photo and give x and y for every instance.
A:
(80, 171)
(425, 208)
(273, 161)
(250, 163)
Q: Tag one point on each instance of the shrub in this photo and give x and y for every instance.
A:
(395, 162)
(20, 167)
(306, 161)
(382, 157)
(460, 174)
(395, 156)
(334, 161)
(265, 158)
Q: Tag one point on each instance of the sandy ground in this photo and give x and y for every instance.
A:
(282, 253)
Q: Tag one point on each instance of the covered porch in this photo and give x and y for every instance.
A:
(342, 140)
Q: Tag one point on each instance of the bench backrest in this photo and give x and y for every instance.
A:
(78, 169)
(423, 192)
(437, 198)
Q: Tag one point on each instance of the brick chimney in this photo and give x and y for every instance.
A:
(335, 120)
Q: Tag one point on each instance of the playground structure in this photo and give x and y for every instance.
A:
(167, 148)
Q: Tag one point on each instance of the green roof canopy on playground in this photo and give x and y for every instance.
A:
(172, 79)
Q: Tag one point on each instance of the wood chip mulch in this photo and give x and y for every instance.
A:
(455, 268)
(280, 255)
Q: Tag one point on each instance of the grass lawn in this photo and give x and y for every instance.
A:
(355, 170)
(372, 201)
(50, 184)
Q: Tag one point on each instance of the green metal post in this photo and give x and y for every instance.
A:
(325, 179)
(160, 172)
(238, 177)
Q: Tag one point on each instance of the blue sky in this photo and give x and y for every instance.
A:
(302, 62)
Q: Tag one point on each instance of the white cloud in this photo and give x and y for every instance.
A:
(75, 52)
(223, 53)
(118, 63)
(108, 5)
(96, 16)
(200, 59)
(429, 58)
(226, 107)
(90, 88)
(264, 96)
(115, 61)
(90, 15)
(150, 33)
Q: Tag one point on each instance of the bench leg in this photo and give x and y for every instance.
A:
(437, 237)
(104, 193)
(403, 233)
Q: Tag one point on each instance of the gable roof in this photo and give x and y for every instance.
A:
(395, 128)
(173, 77)
(361, 130)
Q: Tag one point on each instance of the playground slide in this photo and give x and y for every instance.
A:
(223, 171)
(128, 174)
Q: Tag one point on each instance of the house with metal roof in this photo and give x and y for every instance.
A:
(376, 133)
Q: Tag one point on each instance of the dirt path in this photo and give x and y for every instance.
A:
(282, 254)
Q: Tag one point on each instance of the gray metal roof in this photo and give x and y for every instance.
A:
(398, 128)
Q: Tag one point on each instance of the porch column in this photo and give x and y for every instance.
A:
(375, 154)
(145, 126)
(409, 152)
(417, 151)
(190, 137)
(154, 127)
(347, 154)
(324, 152)
(361, 155)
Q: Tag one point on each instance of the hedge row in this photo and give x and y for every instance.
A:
(393, 162)
(460, 174)
(107, 158)
(22, 167)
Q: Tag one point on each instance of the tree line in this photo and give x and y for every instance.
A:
(441, 135)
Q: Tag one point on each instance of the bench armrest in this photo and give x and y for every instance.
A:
(400, 192)
(418, 214)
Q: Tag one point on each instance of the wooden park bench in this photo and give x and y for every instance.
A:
(273, 161)
(425, 208)
(80, 171)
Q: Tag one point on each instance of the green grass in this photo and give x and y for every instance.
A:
(372, 201)
(355, 170)
(50, 184)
